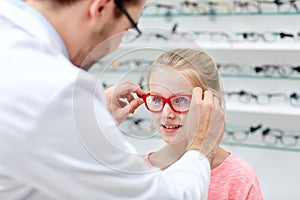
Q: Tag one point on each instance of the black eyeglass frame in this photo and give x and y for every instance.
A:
(124, 11)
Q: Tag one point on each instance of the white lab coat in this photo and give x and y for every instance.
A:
(57, 141)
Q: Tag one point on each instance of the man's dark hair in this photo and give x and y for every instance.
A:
(68, 2)
(64, 2)
(118, 13)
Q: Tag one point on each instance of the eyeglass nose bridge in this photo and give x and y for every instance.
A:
(168, 101)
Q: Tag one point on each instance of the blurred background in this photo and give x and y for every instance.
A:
(256, 46)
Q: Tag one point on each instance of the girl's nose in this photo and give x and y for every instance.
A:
(168, 112)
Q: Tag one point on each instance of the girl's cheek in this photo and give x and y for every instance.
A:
(156, 119)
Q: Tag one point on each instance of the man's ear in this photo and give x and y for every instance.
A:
(96, 8)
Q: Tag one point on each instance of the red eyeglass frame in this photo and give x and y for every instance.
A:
(165, 100)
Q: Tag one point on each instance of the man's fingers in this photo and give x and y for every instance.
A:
(133, 105)
(131, 88)
(121, 113)
(122, 103)
(129, 97)
(208, 97)
(139, 92)
(197, 94)
(121, 99)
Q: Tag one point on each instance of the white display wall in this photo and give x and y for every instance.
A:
(276, 164)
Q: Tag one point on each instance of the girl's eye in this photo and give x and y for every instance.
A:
(181, 100)
(157, 100)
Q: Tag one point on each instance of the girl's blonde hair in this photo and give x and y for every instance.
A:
(196, 66)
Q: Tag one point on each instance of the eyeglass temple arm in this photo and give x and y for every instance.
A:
(255, 128)
(122, 8)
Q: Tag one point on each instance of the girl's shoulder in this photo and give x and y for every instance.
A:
(236, 168)
(234, 179)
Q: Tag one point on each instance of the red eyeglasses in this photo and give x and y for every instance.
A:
(178, 103)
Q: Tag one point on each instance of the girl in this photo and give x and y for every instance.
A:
(171, 79)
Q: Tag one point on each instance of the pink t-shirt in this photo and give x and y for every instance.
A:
(234, 179)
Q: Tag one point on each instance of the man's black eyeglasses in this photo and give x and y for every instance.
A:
(124, 11)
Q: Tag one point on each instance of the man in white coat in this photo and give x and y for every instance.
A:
(58, 139)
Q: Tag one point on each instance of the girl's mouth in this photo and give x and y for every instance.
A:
(170, 129)
(171, 126)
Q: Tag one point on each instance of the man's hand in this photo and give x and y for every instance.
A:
(120, 100)
(205, 123)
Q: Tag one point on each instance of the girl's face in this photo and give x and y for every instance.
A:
(167, 82)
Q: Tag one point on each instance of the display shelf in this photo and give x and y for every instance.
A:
(121, 70)
(250, 76)
(229, 143)
(261, 146)
(158, 44)
(272, 109)
(220, 14)
(234, 46)
(137, 70)
(242, 52)
(259, 46)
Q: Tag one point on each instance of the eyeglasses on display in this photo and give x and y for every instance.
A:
(262, 98)
(222, 7)
(282, 70)
(241, 134)
(212, 36)
(246, 6)
(160, 8)
(229, 68)
(268, 36)
(167, 35)
(267, 70)
(212, 6)
(295, 99)
(192, 7)
(271, 136)
(280, 3)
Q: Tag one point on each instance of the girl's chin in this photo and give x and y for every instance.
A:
(171, 136)
(172, 140)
